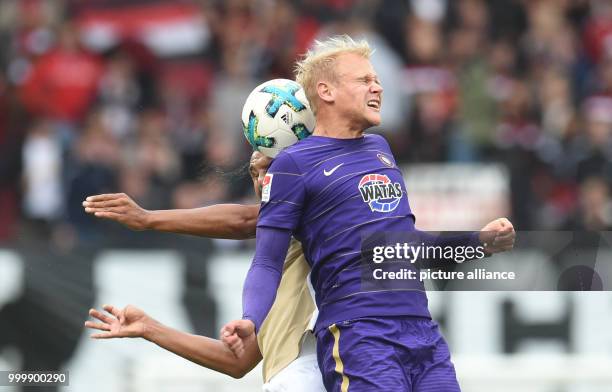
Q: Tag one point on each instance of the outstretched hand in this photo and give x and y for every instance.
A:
(498, 236)
(129, 322)
(236, 335)
(118, 207)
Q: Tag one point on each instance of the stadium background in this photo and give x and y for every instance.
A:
(493, 108)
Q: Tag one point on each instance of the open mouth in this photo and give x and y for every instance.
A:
(374, 104)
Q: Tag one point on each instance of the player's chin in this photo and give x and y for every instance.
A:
(373, 118)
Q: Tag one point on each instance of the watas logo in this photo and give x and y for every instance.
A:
(380, 193)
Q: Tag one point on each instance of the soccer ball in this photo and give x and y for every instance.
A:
(276, 115)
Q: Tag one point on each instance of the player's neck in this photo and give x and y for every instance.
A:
(337, 128)
(342, 134)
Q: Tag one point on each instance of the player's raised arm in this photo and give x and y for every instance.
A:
(282, 199)
(264, 276)
(496, 236)
(260, 286)
(233, 221)
(210, 353)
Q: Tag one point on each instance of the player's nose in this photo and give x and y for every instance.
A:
(376, 88)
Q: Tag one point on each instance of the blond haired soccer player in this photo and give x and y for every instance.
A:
(327, 191)
(285, 341)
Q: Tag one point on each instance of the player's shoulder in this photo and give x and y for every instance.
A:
(377, 139)
(284, 162)
(303, 146)
(297, 155)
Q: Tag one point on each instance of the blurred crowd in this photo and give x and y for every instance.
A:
(144, 97)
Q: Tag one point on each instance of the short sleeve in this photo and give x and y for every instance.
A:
(282, 193)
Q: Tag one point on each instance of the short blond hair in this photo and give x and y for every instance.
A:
(319, 62)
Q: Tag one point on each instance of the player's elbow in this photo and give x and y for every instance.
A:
(249, 228)
(239, 370)
(243, 229)
(246, 225)
(238, 373)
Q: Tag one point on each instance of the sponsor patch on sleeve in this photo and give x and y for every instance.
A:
(266, 188)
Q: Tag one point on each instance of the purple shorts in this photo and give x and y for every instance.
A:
(385, 354)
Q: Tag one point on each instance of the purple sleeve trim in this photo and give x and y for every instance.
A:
(463, 239)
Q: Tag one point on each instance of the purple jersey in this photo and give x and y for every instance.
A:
(328, 192)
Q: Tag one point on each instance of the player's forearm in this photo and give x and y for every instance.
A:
(263, 278)
(232, 221)
(204, 351)
(468, 238)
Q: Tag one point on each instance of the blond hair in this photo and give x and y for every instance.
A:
(319, 63)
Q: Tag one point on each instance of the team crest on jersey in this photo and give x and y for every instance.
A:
(266, 188)
(380, 193)
(385, 159)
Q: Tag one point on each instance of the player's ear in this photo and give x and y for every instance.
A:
(325, 91)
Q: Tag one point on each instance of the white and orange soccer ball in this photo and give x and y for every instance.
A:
(276, 115)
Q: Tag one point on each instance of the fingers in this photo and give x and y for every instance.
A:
(99, 326)
(505, 230)
(228, 335)
(503, 241)
(503, 245)
(108, 215)
(106, 203)
(104, 206)
(114, 205)
(502, 233)
(103, 326)
(505, 226)
(242, 328)
(238, 349)
(505, 236)
(104, 197)
(504, 222)
(245, 328)
(233, 334)
(112, 310)
(100, 316)
(499, 236)
(231, 340)
(228, 329)
(121, 209)
(234, 343)
(228, 338)
(102, 335)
